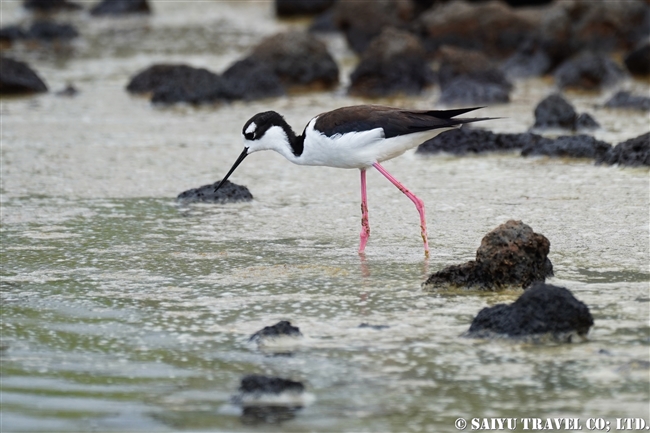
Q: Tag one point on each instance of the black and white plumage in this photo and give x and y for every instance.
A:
(359, 136)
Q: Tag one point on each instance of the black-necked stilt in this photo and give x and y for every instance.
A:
(360, 137)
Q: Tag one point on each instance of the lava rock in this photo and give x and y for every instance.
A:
(624, 99)
(364, 21)
(279, 330)
(290, 8)
(542, 310)
(324, 23)
(394, 63)
(492, 27)
(50, 5)
(634, 152)
(255, 383)
(179, 83)
(46, 30)
(228, 193)
(588, 71)
(251, 79)
(510, 256)
(17, 77)
(464, 140)
(530, 60)
(572, 146)
(606, 25)
(121, 7)
(469, 77)
(556, 112)
(375, 327)
(637, 61)
(299, 60)
(9, 34)
(586, 121)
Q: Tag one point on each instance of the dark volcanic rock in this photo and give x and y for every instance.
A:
(324, 23)
(607, 25)
(17, 77)
(12, 33)
(624, 99)
(299, 60)
(586, 121)
(121, 7)
(362, 21)
(469, 77)
(633, 152)
(492, 27)
(258, 384)
(638, 60)
(250, 79)
(179, 83)
(290, 8)
(556, 112)
(541, 310)
(588, 71)
(280, 329)
(228, 193)
(48, 30)
(530, 60)
(394, 63)
(49, 5)
(573, 146)
(510, 256)
(468, 140)
(69, 91)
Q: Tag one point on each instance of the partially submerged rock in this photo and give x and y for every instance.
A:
(250, 79)
(49, 30)
(588, 71)
(530, 60)
(269, 400)
(179, 83)
(299, 59)
(17, 77)
(394, 63)
(510, 256)
(276, 334)
(556, 112)
(121, 7)
(623, 99)
(492, 27)
(469, 140)
(363, 21)
(228, 193)
(572, 146)
(634, 152)
(469, 77)
(543, 311)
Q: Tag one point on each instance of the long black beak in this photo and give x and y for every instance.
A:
(243, 155)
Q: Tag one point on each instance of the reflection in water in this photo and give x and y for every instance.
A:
(253, 415)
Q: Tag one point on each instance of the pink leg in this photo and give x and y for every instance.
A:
(365, 226)
(419, 204)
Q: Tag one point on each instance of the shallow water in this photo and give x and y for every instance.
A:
(122, 310)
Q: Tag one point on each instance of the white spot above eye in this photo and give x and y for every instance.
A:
(251, 128)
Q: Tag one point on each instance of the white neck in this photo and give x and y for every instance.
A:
(275, 138)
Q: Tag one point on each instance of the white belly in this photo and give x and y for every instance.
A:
(359, 149)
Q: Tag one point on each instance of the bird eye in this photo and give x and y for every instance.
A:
(250, 136)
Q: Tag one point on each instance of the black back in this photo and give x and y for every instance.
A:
(394, 121)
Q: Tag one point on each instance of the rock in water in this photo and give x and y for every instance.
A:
(277, 334)
(542, 310)
(17, 77)
(228, 193)
(634, 152)
(510, 256)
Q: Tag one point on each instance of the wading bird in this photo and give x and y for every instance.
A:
(360, 137)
